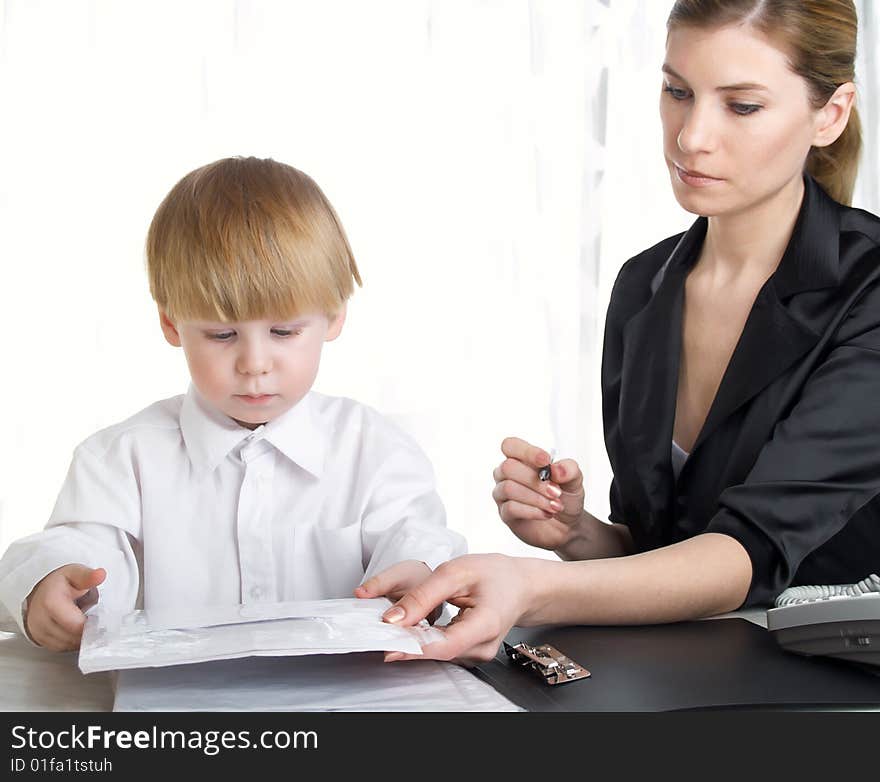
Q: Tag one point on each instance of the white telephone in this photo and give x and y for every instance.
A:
(840, 620)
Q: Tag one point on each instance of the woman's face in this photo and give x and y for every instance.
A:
(737, 121)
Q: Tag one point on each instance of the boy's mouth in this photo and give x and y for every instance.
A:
(255, 399)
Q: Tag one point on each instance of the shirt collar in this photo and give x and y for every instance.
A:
(298, 434)
(811, 260)
(209, 435)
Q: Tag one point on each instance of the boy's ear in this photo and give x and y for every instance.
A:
(336, 324)
(169, 329)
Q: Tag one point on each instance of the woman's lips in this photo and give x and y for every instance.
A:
(255, 399)
(695, 179)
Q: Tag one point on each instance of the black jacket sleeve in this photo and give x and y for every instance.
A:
(821, 465)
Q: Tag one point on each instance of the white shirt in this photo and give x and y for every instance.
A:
(679, 457)
(180, 504)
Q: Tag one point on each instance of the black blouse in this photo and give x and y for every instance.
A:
(788, 459)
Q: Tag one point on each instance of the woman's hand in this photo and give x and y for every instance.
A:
(545, 514)
(493, 592)
(396, 581)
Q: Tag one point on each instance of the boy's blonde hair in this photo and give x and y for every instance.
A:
(245, 239)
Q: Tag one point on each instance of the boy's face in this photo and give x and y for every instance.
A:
(256, 370)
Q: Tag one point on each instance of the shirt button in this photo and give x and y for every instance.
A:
(256, 593)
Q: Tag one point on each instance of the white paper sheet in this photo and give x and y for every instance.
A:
(349, 682)
(147, 639)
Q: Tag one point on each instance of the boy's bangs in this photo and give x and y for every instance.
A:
(248, 239)
(242, 285)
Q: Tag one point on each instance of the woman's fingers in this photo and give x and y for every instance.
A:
(508, 491)
(567, 474)
(511, 512)
(548, 534)
(514, 470)
(445, 583)
(515, 448)
(475, 638)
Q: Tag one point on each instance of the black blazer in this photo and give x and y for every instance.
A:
(788, 460)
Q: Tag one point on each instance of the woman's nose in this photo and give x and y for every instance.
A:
(698, 132)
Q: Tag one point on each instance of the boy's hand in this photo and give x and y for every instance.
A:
(54, 619)
(396, 581)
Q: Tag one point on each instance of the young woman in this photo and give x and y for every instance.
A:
(741, 363)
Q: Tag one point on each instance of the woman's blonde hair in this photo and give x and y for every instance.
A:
(820, 38)
(245, 239)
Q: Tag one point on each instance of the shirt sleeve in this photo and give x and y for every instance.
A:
(821, 465)
(404, 517)
(95, 522)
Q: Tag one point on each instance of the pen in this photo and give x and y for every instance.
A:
(544, 472)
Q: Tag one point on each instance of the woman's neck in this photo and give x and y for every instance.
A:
(752, 242)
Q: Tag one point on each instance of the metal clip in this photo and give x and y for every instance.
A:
(547, 661)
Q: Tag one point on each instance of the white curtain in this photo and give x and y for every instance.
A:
(455, 139)
(494, 163)
(867, 193)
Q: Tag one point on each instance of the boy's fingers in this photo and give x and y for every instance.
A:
(386, 581)
(54, 638)
(67, 640)
(69, 618)
(515, 448)
(85, 578)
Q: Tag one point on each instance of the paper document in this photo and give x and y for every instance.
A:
(343, 682)
(175, 636)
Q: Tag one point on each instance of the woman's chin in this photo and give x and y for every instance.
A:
(697, 203)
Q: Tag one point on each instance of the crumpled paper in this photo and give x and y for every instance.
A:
(183, 634)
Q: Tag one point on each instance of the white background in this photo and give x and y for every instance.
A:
(494, 163)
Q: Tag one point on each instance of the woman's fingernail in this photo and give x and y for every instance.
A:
(553, 492)
(557, 506)
(394, 614)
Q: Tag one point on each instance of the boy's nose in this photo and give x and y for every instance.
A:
(254, 362)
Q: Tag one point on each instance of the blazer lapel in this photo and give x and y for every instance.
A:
(649, 376)
(774, 337)
(771, 341)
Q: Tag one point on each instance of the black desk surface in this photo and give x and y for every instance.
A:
(720, 663)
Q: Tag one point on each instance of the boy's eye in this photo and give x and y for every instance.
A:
(222, 336)
(286, 332)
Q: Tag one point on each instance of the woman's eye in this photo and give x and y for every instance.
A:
(744, 109)
(675, 92)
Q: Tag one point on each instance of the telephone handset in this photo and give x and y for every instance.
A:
(837, 620)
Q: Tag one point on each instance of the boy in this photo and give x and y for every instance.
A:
(250, 487)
